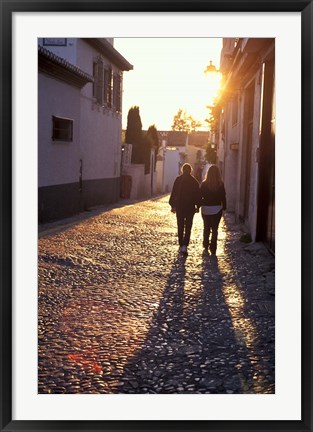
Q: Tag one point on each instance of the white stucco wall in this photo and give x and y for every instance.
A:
(137, 173)
(230, 159)
(167, 169)
(101, 141)
(171, 169)
(101, 138)
(159, 176)
(97, 130)
(68, 52)
(58, 161)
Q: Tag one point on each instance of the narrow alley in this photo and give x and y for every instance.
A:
(121, 311)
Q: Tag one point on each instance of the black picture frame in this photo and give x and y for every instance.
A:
(8, 7)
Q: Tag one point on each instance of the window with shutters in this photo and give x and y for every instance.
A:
(107, 90)
(117, 92)
(98, 70)
(107, 87)
(95, 76)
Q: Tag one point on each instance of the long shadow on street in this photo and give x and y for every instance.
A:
(192, 346)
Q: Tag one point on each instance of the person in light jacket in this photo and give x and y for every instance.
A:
(185, 202)
(213, 203)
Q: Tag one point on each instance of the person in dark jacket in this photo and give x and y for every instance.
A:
(185, 201)
(212, 205)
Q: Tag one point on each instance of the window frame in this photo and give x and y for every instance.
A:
(117, 92)
(70, 130)
(108, 86)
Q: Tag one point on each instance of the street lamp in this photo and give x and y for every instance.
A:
(214, 76)
(211, 68)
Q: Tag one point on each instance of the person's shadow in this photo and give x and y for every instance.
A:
(151, 370)
(191, 346)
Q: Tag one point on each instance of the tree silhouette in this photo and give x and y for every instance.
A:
(134, 135)
(214, 117)
(141, 142)
(155, 141)
(134, 126)
(184, 122)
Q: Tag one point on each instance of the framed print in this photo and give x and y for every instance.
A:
(127, 304)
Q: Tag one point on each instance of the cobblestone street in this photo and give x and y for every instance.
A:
(121, 311)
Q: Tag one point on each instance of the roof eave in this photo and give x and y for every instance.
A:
(59, 68)
(108, 51)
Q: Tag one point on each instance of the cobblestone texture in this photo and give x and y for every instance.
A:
(121, 311)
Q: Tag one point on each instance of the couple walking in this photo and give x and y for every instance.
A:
(186, 199)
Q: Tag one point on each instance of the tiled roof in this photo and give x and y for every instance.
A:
(174, 138)
(198, 139)
(58, 67)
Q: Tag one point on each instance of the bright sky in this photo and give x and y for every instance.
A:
(168, 75)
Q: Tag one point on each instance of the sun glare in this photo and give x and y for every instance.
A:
(214, 87)
(168, 75)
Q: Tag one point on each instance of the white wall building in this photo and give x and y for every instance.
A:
(79, 124)
(171, 168)
(171, 157)
(136, 182)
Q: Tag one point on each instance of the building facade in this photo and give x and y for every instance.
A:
(172, 155)
(245, 133)
(79, 124)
